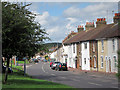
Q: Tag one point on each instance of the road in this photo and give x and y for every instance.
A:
(77, 80)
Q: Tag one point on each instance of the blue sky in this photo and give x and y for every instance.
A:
(59, 19)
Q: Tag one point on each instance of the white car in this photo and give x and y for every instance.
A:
(54, 65)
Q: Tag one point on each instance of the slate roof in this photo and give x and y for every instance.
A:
(105, 31)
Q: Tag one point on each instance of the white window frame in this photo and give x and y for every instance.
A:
(113, 44)
(102, 44)
(93, 46)
(95, 61)
(115, 62)
(73, 48)
(102, 62)
(85, 45)
(85, 61)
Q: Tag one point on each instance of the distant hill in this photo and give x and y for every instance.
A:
(50, 45)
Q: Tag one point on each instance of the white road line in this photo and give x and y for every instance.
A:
(94, 84)
(63, 77)
(53, 74)
(28, 66)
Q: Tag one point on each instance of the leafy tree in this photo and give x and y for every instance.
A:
(21, 35)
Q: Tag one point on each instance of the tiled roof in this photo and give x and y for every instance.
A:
(106, 31)
(69, 36)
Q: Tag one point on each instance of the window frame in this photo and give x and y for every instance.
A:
(102, 62)
(102, 44)
(85, 45)
(113, 44)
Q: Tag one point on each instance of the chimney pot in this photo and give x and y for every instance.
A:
(116, 18)
(101, 21)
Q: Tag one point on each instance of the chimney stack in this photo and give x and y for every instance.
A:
(80, 28)
(89, 25)
(100, 22)
(116, 18)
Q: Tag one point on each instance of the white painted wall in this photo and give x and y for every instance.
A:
(53, 55)
(111, 54)
(85, 54)
(65, 51)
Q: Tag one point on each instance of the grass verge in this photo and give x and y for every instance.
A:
(18, 80)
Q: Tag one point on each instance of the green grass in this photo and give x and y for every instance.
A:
(18, 80)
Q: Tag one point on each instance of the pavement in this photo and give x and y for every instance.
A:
(78, 71)
(74, 77)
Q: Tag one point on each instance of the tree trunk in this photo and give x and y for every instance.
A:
(6, 72)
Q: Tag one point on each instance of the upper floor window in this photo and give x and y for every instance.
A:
(113, 44)
(73, 48)
(93, 45)
(101, 61)
(102, 42)
(115, 61)
(85, 45)
(84, 60)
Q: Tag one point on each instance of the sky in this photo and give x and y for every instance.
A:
(60, 18)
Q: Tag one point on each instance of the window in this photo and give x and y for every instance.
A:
(94, 61)
(85, 60)
(93, 47)
(74, 48)
(85, 45)
(113, 42)
(102, 42)
(115, 61)
(101, 61)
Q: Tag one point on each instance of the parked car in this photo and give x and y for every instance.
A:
(51, 63)
(36, 61)
(61, 66)
(54, 65)
(45, 60)
(4, 69)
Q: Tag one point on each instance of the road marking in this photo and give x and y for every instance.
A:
(94, 84)
(28, 66)
(53, 74)
(63, 77)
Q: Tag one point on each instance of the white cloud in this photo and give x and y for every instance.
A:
(58, 26)
(42, 18)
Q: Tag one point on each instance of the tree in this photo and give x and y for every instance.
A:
(21, 35)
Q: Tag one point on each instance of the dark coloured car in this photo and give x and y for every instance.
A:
(54, 65)
(36, 60)
(61, 66)
(4, 69)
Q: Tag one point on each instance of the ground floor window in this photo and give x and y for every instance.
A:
(115, 61)
(84, 60)
(94, 61)
(101, 61)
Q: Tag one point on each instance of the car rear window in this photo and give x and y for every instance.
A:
(57, 62)
(63, 63)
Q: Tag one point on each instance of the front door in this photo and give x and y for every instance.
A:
(90, 62)
(75, 63)
(109, 62)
